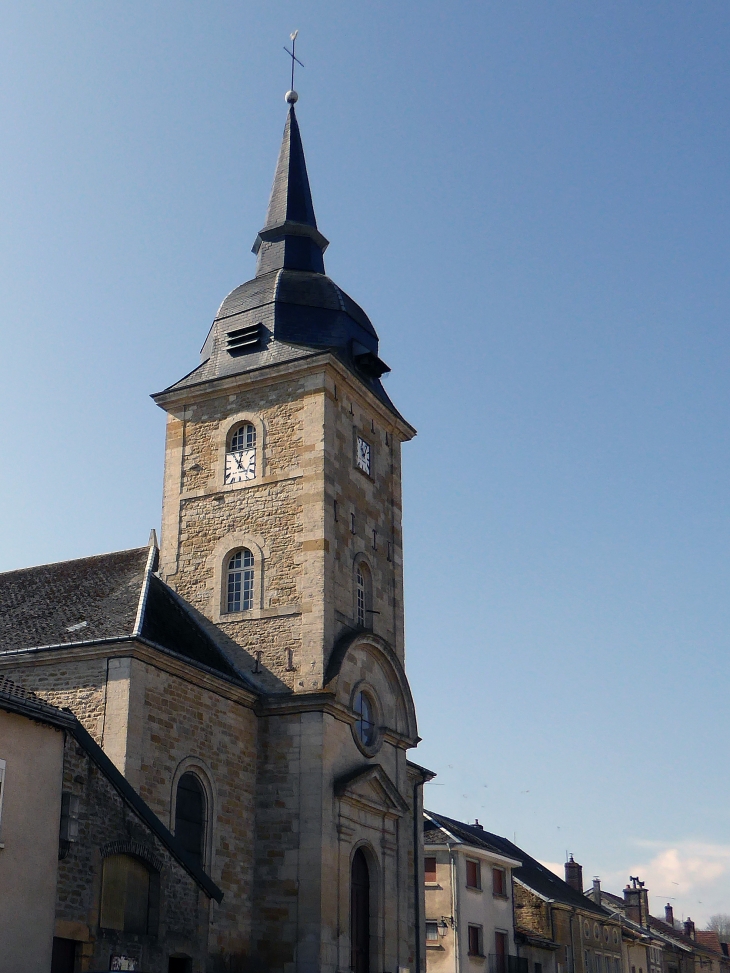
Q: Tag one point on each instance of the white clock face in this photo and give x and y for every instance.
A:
(362, 457)
(240, 465)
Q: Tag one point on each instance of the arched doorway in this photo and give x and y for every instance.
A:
(360, 913)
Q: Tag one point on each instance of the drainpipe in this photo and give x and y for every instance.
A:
(454, 907)
(417, 822)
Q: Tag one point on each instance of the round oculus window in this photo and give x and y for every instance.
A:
(596, 931)
(615, 936)
(365, 729)
(606, 935)
(587, 929)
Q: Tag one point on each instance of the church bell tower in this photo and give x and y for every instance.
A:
(282, 492)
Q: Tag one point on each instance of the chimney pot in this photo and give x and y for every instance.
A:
(669, 915)
(597, 891)
(477, 825)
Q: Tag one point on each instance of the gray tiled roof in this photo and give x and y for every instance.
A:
(96, 598)
(71, 601)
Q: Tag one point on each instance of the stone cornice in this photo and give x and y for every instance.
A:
(173, 398)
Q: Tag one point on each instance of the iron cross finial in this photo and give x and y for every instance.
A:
(291, 95)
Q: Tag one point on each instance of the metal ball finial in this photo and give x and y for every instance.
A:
(291, 97)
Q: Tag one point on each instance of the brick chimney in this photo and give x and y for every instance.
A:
(669, 915)
(636, 898)
(574, 875)
(689, 928)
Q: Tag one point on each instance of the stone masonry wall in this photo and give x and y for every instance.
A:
(104, 817)
(531, 912)
(185, 725)
(79, 686)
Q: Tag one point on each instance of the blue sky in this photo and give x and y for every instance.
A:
(531, 202)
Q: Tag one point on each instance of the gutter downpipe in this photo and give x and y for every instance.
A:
(454, 908)
(417, 864)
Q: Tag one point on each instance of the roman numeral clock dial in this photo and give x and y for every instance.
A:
(362, 456)
(240, 465)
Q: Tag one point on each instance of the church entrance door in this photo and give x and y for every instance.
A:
(360, 913)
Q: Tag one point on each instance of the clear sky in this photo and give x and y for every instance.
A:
(530, 200)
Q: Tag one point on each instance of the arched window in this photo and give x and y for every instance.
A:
(240, 581)
(126, 885)
(365, 727)
(360, 913)
(363, 595)
(190, 817)
(241, 454)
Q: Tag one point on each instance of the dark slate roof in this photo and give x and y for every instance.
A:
(531, 873)
(292, 308)
(15, 699)
(167, 621)
(109, 597)
(71, 601)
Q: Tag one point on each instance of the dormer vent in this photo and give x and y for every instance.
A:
(244, 340)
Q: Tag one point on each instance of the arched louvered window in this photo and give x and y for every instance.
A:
(363, 595)
(240, 581)
(190, 817)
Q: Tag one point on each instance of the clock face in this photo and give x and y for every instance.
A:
(240, 465)
(362, 457)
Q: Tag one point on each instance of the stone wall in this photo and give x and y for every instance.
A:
(104, 818)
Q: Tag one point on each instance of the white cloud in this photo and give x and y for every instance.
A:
(693, 875)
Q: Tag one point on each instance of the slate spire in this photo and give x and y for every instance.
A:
(290, 238)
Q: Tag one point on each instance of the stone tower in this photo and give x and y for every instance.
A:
(282, 469)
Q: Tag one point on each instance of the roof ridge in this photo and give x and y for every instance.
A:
(73, 560)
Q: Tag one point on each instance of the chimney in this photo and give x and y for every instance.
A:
(689, 928)
(636, 898)
(596, 894)
(574, 875)
(669, 915)
(477, 825)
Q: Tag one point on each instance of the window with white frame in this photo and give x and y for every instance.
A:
(240, 581)
(432, 931)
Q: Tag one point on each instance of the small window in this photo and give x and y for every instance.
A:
(190, 817)
(473, 874)
(429, 869)
(365, 724)
(125, 895)
(240, 581)
(499, 881)
(475, 941)
(432, 932)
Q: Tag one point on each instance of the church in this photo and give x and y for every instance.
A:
(246, 677)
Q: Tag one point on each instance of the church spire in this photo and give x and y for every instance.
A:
(290, 238)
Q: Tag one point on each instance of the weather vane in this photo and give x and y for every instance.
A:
(291, 96)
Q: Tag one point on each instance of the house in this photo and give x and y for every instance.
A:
(90, 878)
(468, 885)
(247, 676)
(557, 929)
(653, 945)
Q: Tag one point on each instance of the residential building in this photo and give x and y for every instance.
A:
(468, 883)
(556, 928)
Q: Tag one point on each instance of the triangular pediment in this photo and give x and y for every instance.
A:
(372, 788)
